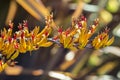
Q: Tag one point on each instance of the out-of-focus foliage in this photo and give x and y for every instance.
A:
(113, 5)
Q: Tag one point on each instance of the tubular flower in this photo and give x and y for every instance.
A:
(102, 40)
(75, 37)
(84, 33)
(66, 38)
(22, 40)
(78, 35)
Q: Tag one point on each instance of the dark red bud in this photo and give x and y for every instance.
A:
(79, 25)
(20, 27)
(9, 39)
(15, 36)
(25, 23)
(22, 35)
(60, 30)
(101, 38)
(0, 62)
(66, 33)
(33, 36)
(36, 46)
(46, 33)
(2, 36)
(83, 18)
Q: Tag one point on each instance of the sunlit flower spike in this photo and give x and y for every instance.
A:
(102, 40)
(22, 40)
(78, 36)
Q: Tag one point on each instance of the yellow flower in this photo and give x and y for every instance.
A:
(23, 40)
(2, 66)
(84, 33)
(102, 40)
(42, 37)
(66, 38)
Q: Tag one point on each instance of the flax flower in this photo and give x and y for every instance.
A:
(84, 33)
(22, 41)
(66, 38)
(102, 40)
(78, 36)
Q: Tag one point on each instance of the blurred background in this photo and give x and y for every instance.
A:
(56, 63)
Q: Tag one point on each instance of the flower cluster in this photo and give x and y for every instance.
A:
(22, 40)
(78, 36)
(75, 37)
